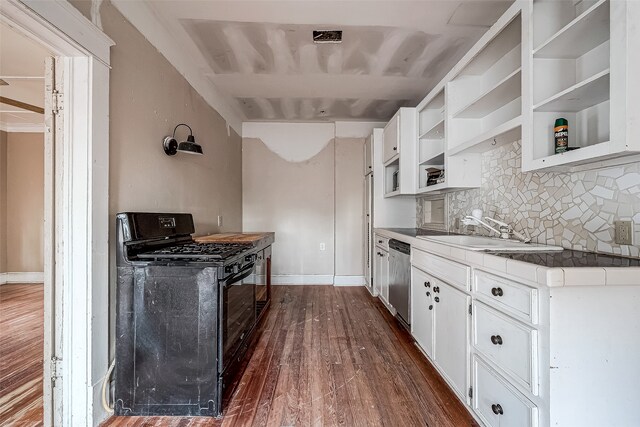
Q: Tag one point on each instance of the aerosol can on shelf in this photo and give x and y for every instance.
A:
(561, 135)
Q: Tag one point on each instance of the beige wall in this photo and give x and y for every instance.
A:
(148, 98)
(3, 202)
(308, 187)
(294, 199)
(24, 202)
(349, 206)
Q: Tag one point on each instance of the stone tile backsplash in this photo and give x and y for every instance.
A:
(574, 210)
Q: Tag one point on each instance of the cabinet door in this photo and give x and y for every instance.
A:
(377, 271)
(384, 275)
(451, 339)
(391, 139)
(368, 155)
(422, 310)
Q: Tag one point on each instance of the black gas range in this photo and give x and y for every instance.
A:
(185, 313)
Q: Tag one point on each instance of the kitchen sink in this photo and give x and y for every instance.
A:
(479, 243)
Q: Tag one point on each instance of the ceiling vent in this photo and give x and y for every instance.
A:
(327, 36)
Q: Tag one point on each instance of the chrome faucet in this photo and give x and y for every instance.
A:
(505, 231)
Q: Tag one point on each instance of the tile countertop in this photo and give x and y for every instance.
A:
(553, 269)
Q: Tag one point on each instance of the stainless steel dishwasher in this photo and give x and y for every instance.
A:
(400, 279)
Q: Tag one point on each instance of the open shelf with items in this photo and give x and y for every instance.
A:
(484, 98)
(570, 74)
(431, 139)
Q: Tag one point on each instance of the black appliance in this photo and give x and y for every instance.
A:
(185, 313)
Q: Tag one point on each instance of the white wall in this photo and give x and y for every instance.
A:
(305, 182)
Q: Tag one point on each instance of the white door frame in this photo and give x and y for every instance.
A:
(77, 232)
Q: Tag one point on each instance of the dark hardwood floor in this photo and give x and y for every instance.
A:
(21, 354)
(331, 356)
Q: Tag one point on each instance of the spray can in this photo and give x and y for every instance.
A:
(561, 135)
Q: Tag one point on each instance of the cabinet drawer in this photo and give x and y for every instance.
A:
(382, 242)
(515, 298)
(511, 345)
(450, 271)
(497, 403)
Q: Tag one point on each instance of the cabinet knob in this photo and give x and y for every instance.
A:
(427, 284)
(428, 293)
(395, 148)
(430, 306)
(497, 409)
(497, 292)
(496, 339)
(436, 289)
(437, 299)
(379, 241)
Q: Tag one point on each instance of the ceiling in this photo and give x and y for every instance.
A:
(261, 57)
(22, 67)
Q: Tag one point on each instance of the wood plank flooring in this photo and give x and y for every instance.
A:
(331, 356)
(21, 354)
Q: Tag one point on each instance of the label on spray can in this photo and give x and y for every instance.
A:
(561, 135)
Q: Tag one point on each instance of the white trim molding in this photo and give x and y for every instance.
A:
(302, 279)
(22, 127)
(77, 206)
(349, 281)
(316, 279)
(74, 25)
(22, 277)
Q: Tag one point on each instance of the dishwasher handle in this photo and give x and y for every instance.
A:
(399, 246)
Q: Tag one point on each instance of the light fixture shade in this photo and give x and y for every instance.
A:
(189, 146)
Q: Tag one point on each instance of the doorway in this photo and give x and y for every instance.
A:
(21, 227)
(76, 152)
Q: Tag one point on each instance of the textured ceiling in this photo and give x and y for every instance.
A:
(261, 56)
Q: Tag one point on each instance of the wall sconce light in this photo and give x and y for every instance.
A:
(171, 146)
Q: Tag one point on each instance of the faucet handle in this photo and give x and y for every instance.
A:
(495, 221)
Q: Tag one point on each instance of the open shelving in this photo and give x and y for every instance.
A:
(431, 137)
(572, 76)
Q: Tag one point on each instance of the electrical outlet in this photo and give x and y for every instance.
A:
(624, 232)
(219, 220)
(322, 246)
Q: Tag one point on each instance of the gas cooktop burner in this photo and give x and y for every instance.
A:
(199, 251)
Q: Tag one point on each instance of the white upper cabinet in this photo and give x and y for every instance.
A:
(580, 63)
(399, 153)
(391, 139)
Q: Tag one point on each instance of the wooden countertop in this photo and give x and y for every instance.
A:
(233, 237)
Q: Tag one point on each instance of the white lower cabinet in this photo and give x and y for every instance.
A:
(451, 351)
(422, 310)
(496, 402)
(381, 273)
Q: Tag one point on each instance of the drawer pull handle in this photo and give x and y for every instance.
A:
(437, 299)
(427, 284)
(436, 289)
(496, 339)
(431, 307)
(497, 409)
(497, 292)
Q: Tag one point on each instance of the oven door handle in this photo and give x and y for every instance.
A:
(242, 274)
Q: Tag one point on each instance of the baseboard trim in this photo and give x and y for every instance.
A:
(348, 281)
(21, 277)
(301, 279)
